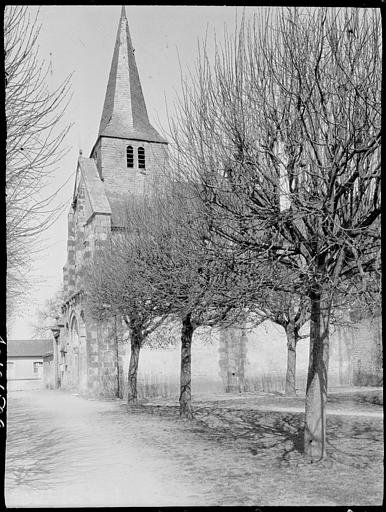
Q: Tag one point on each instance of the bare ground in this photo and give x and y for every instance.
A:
(67, 451)
(270, 428)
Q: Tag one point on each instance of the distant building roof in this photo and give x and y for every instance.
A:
(29, 348)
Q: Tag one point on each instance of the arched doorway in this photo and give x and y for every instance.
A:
(74, 334)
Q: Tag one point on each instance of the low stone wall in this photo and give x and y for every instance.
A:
(254, 361)
(24, 384)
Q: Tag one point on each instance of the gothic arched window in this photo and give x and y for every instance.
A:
(141, 158)
(130, 156)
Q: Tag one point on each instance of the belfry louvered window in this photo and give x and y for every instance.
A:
(130, 156)
(141, 158)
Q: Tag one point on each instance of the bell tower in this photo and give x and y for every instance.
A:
(129, 152)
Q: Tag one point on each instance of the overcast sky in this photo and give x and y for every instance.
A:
(81, 39)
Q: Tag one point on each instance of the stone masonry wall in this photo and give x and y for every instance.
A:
(92, 356)
(108, 360)
(232, 358)
(69, 268)
(256, 361)
(79, 221)
(118, 178)
(100, 352)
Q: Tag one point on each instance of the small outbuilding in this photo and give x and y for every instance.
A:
(29, 364)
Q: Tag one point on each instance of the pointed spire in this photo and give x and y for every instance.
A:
(124, 111)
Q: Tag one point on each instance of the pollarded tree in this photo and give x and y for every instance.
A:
(283, 132)
(35, 137)
(322, 136)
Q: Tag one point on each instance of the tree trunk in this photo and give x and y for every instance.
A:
(133, 369)
(186, 374)
(290, 379)
(316, 394)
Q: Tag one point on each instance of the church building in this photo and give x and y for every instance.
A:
(128, 153)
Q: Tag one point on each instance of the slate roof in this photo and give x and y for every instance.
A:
(94, 186)
(29, 348)
(124, 112)
(119, 208)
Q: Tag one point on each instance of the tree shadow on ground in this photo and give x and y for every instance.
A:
(355, 442)
(278, 437)
(267, 434)
(372, 398)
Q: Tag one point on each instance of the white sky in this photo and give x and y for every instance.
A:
(81, 39)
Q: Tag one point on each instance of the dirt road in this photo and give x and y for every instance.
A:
(63, 451)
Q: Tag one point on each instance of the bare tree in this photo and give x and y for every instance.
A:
(283, 132)
(292, 313)
(48, 314)
(34, 142)
(176, 262)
